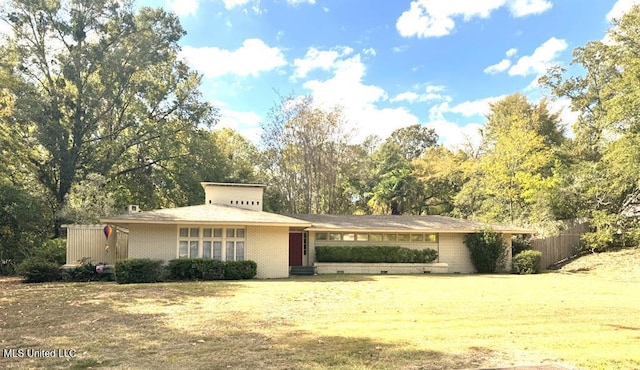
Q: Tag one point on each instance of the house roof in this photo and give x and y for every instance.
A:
(233, 184)
(402, 223)
(207, 213)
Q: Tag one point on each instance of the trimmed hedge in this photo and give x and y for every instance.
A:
(238, 270)
(139, 270)
(87, 271)
(527, 262)
(196, 269)
(375, 254)
(38, 270)
(208, 269)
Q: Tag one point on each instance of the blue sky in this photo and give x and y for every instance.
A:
(389, 64)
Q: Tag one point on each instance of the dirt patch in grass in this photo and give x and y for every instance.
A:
(621, 265)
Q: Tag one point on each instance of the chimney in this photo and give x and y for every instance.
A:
(133, 208)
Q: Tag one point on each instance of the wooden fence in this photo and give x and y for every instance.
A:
(557, 248)
(89, 241)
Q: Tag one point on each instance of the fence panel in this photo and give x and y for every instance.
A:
(89, 241)
(562, 246)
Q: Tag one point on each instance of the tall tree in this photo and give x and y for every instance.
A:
(305, 156)
(108, 91)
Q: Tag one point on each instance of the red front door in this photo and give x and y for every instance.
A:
(295, 249)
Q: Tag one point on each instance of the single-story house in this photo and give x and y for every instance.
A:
(231, 225)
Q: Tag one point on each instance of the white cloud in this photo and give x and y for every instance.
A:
(568, 117)
(400, 49)
(455, 137)
(502, 66)
(434, 18)
(183, 7)
(369, 51)
(620, 8)
(430, 94)
(296, 2)
(245, 123)
(521, 8)
(541, 59)
(318, 59)
(252, 58)
(480, 107)
(511, 52)
(230, 4)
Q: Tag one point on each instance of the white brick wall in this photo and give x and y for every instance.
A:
(153, 241)
(269, 248)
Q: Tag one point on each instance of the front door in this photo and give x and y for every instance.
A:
(295, 249)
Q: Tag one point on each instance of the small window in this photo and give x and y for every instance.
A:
(206, 232)
(184, 232)
(231, 233)
(217, 233)
(239, 233)
(230, 202)
(404, 237)
(206, 249)
(239, 251)
(375, 237)
(209, 201)
(417, 238)
(335, 236)
(230, 249)
(321, 236)
(258, 202)
(194, 232)
(431, 238)
(390, 237)
(252, 202)
(362, 237)
(184, 249)
(348, 237)
(217, 251)
(242, 202)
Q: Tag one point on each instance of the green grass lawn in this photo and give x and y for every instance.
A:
(350, 322)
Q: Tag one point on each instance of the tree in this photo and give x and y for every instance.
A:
(514, 179)
(442, 174)
(23, 224)
(605, 170)
(412, 141)
(107, 92)
(305, 156)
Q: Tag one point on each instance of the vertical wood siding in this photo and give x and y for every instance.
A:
(89, 241)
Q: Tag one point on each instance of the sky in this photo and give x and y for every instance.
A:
(387, 63)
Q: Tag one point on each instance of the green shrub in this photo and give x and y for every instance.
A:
(518, 245)
(38, 270)
(53, 250)
(236, 270)
(87, 271)
(195, 269)
(139, 270)
(375, 254)
(488, 251)
(527, 262)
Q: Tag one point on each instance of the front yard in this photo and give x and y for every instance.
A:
(350, 322)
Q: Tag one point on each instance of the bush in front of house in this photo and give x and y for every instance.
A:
(527, 262)
(240, 270)
(488, 250)
(195, 269)
(139, 270)
(38, 270)
(375, 254)
(519, 245)
(53, 250)
(87, 271)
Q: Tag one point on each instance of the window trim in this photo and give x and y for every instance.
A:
(213, 240)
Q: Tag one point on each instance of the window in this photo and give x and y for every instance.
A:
(431, 238)
(375, 237)
(362, 237)
(321, 236)
(403, 237)
(208, 242)
(348, 237)
(335, 236)
(417, 238)
(390, 237)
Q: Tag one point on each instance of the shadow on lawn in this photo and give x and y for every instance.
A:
(88, 318)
